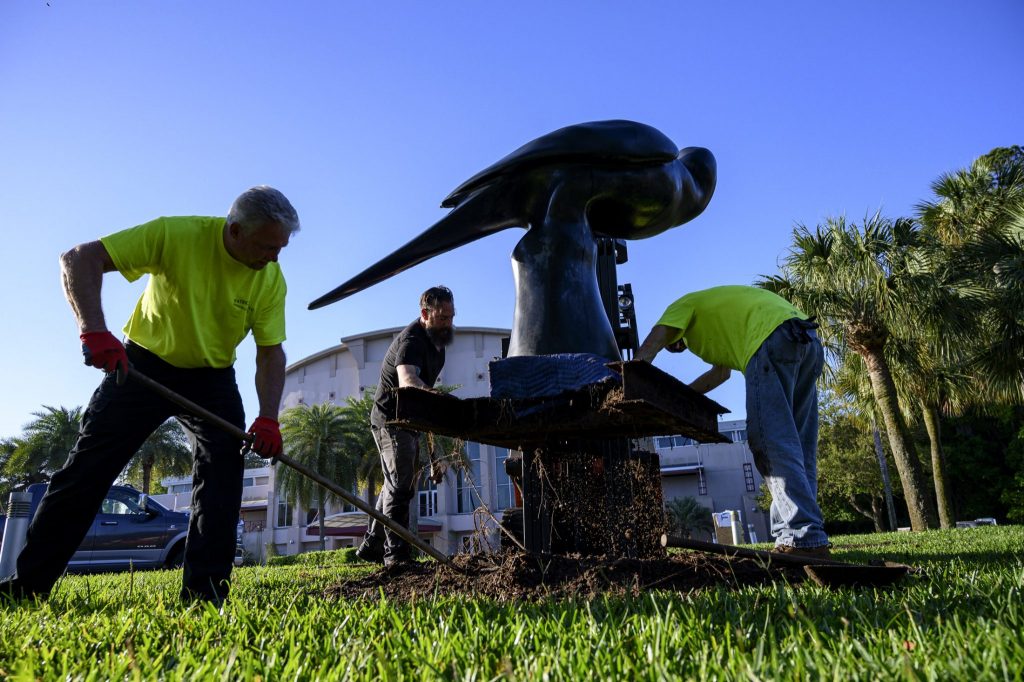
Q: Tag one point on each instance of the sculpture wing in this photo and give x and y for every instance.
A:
(618, 141)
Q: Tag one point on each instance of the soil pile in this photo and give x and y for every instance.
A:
(515, 576)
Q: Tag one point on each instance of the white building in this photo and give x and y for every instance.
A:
(445, 513)
(719, 476)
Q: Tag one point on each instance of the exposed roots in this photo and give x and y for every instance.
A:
(515, 576)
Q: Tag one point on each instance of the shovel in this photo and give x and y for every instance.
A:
(225, 425)
(824, 572)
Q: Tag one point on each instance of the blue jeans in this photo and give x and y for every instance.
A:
(782, 429)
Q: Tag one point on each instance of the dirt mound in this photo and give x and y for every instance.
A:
(514, 576)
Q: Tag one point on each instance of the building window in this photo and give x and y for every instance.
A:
(748, 477)
(247, 482)
(739, 436)
(428, 503)
(466, 485)
(702, 483)
(504, 497)
(262, 480)
(668, 442)
(470, 544)
(284, 514)
(427, 497)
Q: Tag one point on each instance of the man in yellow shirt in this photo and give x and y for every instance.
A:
(212, 281)
(775, 346)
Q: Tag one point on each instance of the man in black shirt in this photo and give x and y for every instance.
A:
(415, 358)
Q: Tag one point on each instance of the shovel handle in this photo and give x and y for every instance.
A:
(182, 401)
(227, 426)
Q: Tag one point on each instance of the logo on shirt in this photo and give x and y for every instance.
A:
(241, 303)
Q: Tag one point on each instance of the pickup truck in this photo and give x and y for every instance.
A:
(131, 530)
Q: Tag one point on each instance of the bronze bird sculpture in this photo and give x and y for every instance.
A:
(618, 179)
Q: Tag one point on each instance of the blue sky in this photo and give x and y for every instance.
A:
(368, 114)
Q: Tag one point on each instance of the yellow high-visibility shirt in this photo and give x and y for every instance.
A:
(199, 302)
(726, 325)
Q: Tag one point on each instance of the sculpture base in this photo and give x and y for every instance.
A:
(592, 497)
(584, 490)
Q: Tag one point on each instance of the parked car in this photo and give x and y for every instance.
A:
(131, 530)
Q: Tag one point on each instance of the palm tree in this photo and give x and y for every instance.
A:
(999, 357)
(689, 518)
(976, 200)
(848, 405)
(861, 283)
(359, 446)
(167, 451)
(315, 436)
(7, 482)
(848, 472)
(977, 222)
(924, 355)
(45, 443)
(932, 381)
(975, 235)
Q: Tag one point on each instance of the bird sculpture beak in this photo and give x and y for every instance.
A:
(464, 224)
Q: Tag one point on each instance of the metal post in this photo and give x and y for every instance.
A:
(18, 516)
(736, 526)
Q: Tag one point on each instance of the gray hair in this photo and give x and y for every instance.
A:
(263, 204)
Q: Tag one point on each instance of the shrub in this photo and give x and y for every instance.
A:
(334, 557)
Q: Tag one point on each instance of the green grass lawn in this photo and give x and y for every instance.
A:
(963, 619)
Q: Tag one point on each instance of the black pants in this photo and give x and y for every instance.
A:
(114, 426)
(399, 452)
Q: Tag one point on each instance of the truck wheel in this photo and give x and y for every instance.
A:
(177, 556)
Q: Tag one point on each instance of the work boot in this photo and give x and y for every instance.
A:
(397, 565)
(370, 554)
(397, 558)
(820, 552)
(14, 590)
(192, 596)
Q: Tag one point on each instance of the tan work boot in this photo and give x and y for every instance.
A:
(821, 552)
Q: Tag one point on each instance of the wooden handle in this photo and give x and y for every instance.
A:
(352, 499)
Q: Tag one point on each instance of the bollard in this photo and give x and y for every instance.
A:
(736, 527)
(19, 510)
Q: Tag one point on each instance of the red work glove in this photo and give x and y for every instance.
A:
(266, 440)
(103, 350)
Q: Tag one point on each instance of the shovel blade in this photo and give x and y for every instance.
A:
(832, 575)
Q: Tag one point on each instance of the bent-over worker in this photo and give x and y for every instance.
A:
(775, 346)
